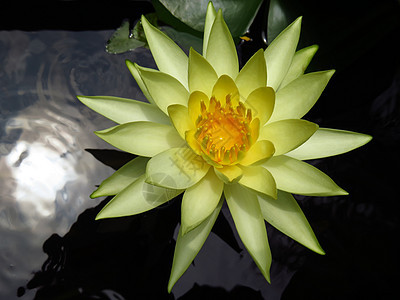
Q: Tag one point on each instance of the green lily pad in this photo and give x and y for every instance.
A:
(122, 40)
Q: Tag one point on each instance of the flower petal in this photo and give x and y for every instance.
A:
(300, 62)
(279, 53)
(229, 174)
(253, 75)
(202, 76)
(223, 87)
(259, 152)
(297, 177)
(259, 179)
(210, 18)
(121, 110)
(121, 178)
(169, 57)
(298, 97)
(176, 168)
(188, 245)
(194, 104)
(221, 50)
(180, 119)
(249, 222)
(328, 142)
(287, 135)
(286, 215)
(142, 138)
(136, 198)
(133, 68)
(261, 102)
(163, 88)
(200, 200)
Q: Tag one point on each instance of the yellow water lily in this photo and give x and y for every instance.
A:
(216, 133)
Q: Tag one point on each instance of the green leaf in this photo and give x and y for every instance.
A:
(188, 245)
(142, 138)
(249, 222)
(200, 200)
(176, 168)
(238, 14)
(136, 198)
(298, 97)
(123, 177)
(122, 41)
(297, 177)
(328, 142)
(286, 215)
(288, 134)
(121, 110)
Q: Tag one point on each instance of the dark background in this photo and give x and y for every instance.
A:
(132, 256)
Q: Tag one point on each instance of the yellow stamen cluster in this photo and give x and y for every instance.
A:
(223, 131)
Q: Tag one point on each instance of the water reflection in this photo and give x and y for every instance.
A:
(46, 175)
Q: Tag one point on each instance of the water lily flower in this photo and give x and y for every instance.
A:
(216, 133)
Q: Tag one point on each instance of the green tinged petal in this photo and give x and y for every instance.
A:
(142, 138)
(287, 135)
(169, 57)
(202, 76)
(133, 68)
(229, 174)
(279, 54)
(286, 215)
(121, 110)
(123, 177)
(176, 168)
(246, 213)
(259, 179)
(188, 245)
(297, 177)
(328, 142)
(252, 76)
(180, 119)
(261, 102)
(221, 50)
(210, 18)
(300, 62)
(163, 88)
(200, 200)
(298, 97)
(136, 198)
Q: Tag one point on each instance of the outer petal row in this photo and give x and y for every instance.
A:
(121, 110)
(121, 178)
(279, 53)
(142, 138)
(136, 198)
(169, 56)
(285, 214)
(249, 222)
(297, 177)
(328, 142)
(188, 245)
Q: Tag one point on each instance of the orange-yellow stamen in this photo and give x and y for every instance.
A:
(223, 132)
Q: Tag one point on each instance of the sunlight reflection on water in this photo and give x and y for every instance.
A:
(46, 175)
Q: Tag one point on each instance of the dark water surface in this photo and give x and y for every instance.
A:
(51, 247)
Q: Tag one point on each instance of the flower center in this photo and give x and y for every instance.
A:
(223, 131)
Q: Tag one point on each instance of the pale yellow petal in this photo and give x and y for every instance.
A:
(253, 75)
(229, 174)
(180, 119)
(259, 152)
(225, 86)
(261, 102)
(202, 76)
(194, 104)
(259, 179)
(287, 135)
(210, 18)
